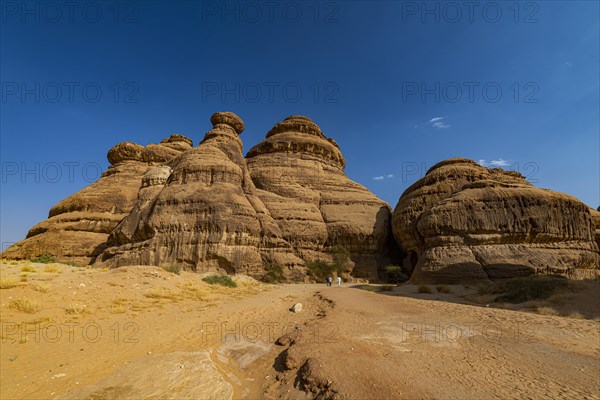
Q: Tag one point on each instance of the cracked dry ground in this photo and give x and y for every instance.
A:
(172, 336)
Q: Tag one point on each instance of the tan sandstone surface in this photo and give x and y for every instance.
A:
(142, 332)
(288, 201)
(77, 227)
(464, 222)
(210, 208)
(299, 174)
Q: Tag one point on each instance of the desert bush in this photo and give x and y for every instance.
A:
(396, 274)
(41, 288)
(319, 269)
(160, 293)
(576, 315)
(25, 305)
(424, 289)
(340, 259)
(79, 309)
(27, 268)
(223, 280)
(44, 259)
(51, 268)
(72, 264)
(192, 292)
(443, 289)
(519, 290)
(273, 274)
(386, 288)
(7, 283)
(174, 268)
(547, 311)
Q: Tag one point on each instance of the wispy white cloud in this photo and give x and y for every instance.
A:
(568, 64)
(438, 123)
(382, 177)
(441, 125)
(499, 163)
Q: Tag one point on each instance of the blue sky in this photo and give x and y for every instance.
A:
(399, 85)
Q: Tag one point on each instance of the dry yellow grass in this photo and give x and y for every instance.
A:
(547, 311)
(193, 292)
(25, 305)
(161, 293)
(7, 283)
(120, 300)
(576, 315)
(40, 288)
(51, 268)
(79, 309)
(27, 268)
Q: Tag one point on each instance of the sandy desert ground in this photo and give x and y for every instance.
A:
(142, 332)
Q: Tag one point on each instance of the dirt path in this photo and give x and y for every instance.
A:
(411, 348)
(146, 333)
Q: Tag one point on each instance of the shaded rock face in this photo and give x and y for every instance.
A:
(77, 227)
(464, 222)
(287, 202)
(299, 174)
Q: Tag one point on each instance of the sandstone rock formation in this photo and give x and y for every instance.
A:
(288, 202)
(77, 227)
(209, 208)
(299, 174)
(464, 222)
(201, 211)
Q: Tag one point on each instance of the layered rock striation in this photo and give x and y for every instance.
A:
(464, 222)
(201, 211)
(299, 174)
(77, 227)
(287, 202)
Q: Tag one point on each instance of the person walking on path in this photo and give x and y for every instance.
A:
(339, 280)
(329, 280)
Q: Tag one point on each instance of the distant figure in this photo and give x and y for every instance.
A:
(339, 279)
(329, 280)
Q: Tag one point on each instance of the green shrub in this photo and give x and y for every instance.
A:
(386, 288)
(223, 280)
(173, 268)
(443, 289)
(424, 289)
(273, 274)
(396, 274)
(319, 269)
(519, 290)
(72, 264)
(44, 259)
(340, 259)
